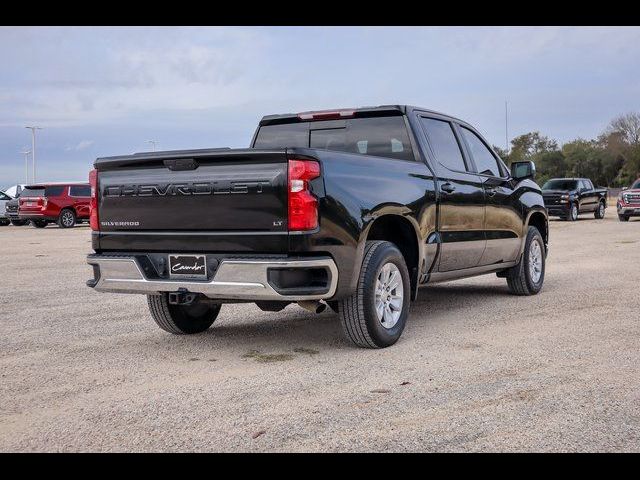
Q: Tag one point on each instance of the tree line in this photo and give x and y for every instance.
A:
(610, 160)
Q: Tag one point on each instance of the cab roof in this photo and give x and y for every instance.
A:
(341, 113)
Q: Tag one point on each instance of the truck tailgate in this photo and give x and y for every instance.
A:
(202, 193)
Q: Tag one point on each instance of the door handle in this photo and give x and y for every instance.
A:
(447, 188)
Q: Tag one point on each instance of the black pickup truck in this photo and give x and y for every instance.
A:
(356, 209)
(568, 197)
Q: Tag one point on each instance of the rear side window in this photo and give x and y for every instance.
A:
(443, 143)
(80, 191)
(54, 191)
(482, 156)
(377, 136)
(32, 192)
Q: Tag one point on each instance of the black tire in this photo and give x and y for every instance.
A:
(358, 314)
(623, 218)
(572, 214)
(600, 211)
(519, 278)
(39, 223)
(182, 319)
(19, 223)
(4, 223)
(67, 218)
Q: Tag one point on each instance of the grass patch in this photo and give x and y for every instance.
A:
(267, 357)
(308, 351)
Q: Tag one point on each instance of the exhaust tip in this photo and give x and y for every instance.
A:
(313, 306)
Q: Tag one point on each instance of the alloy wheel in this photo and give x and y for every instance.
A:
(389, 295)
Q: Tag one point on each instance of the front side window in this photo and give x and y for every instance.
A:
(443, 143)
(482, 156)
(4, 196)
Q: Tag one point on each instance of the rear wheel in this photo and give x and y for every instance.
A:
(182, 319)
(623, 218)
(527, 277)
(376, 314)
(67, 218)
(39, 223)
(599, 213)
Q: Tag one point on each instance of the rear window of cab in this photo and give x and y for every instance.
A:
(49, 191)
(377, 136)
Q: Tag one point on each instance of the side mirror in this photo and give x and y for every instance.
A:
(624, 188)
(522, 170)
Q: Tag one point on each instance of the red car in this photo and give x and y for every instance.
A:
(629, 202)
(63, 203)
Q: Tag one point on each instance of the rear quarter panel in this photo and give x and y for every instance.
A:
(358, 189)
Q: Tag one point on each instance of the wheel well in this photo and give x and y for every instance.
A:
(398, 230)
(68, 208)
(539, 221)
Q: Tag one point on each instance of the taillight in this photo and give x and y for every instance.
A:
(303, 206)
(93, 203)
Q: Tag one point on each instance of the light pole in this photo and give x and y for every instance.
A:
(26, 153)
(33, 148)
(153, 142)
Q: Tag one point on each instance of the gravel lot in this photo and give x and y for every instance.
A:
(476, 369)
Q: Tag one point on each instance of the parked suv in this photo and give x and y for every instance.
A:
(629, 202)
(4, 198)
(63, 203)
(11, 206)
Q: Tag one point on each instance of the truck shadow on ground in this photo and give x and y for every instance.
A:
(294, 327)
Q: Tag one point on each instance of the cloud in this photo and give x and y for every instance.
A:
(82, 145)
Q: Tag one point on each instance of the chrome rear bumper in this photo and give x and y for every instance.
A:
(233, 280)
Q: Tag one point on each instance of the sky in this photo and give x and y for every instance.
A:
(101, 91)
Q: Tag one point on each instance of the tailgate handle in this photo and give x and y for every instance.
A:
(181, 164)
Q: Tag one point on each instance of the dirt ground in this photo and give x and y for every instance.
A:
(476, 369)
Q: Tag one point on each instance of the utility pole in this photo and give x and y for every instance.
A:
(26, 153)
(33, 148)
(506, 128)
(152, 142)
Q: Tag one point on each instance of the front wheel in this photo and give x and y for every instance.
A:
(623, 218)
(573, 212)
(4, 222)
(39, 223)
(182, 319)
(527, 277)
(19, 223)
(599, 213)
(376, 314)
